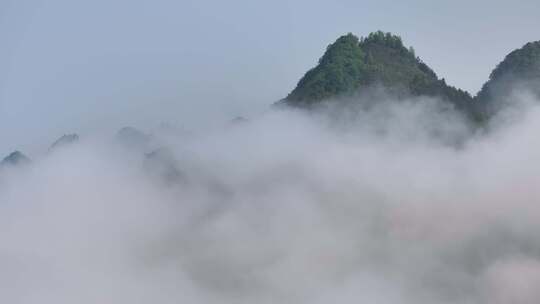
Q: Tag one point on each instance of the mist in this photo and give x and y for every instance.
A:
(398, 202)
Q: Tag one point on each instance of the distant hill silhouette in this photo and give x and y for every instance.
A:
(131, 137)
(14, 159)
(65, 140)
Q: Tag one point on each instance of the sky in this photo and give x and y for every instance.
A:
(83, 66)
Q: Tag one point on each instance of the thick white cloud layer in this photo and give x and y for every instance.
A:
(399, 205)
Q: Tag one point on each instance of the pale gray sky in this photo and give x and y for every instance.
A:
(71, 66)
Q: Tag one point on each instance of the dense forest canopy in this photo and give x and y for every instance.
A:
(340, 70)
(350, 64)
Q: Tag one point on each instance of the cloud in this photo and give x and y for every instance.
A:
(399, 203)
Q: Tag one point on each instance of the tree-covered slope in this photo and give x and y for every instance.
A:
(351, 64)
(339, 71)
(520, 68)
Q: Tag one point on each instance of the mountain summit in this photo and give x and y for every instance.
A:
(351, 65)
(519, 69)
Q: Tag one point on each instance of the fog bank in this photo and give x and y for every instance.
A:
(398, 203)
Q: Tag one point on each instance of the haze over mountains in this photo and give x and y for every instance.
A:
(375, 181)
(381, 66)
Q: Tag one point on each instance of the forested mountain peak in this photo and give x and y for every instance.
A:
(520, 68)
(385, 39)
(350, 65)
(523, 62)
(339, 71)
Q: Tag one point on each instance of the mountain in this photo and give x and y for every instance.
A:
(351, 65)
(66, 139)
(14, 159)
(132, 138)
(519, 69)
